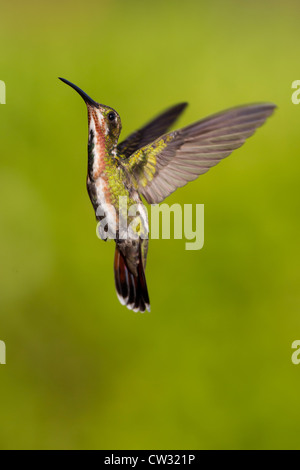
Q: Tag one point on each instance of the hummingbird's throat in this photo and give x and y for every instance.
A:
(97, 144)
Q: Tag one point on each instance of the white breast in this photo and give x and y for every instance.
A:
(104, 208)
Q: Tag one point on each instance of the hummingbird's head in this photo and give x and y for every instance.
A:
(104, 122)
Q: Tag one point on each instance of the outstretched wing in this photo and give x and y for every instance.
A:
(150, 131)
(181, 156)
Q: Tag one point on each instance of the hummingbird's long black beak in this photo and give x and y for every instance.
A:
(83, 95)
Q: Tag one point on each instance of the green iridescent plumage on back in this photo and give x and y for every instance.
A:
(116, 177)
(142, 164)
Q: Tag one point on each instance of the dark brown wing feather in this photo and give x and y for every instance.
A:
(151, 131)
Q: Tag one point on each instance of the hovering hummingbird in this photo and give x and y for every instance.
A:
(153, 163)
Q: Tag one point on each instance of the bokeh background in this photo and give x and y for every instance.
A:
(210, 366)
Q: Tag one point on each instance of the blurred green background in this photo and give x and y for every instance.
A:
(210, 366)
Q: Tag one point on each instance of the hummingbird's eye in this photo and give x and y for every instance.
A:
(111, 117)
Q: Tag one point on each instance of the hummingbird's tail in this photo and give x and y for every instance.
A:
(131, 290)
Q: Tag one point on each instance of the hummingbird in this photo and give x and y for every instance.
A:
(152, 163)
